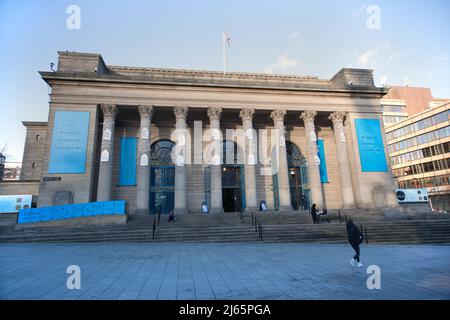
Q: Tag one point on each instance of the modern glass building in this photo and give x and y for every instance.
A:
(419, 151)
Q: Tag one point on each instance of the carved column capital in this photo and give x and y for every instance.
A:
(308, 116)
(278, 115)
(214, 113)
(109, 110)
(337, 117)
(247, 114)
(180, 112)
(145, 110)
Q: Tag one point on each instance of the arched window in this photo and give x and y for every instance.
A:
(161, 152)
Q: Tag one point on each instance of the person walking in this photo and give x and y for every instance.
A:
(314, 213)
(355, 238)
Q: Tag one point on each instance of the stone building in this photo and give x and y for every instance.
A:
(112, 131)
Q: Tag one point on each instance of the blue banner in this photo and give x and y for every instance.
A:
(69, 142)
(370, 144)
(71, 211)
(127, 175)
(323, 163)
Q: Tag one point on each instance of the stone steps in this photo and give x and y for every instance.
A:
(378, 232)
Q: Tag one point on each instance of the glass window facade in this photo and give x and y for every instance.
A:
(419, 125)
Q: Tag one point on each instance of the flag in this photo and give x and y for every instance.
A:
(226, 38)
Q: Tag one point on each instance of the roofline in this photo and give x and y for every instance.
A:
(34, 123)
(112, 78)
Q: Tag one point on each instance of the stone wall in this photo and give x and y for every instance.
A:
(33, 154)
(19, 187)
(80, 185)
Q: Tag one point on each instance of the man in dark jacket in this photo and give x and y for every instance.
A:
(314, 213)
(355, 238)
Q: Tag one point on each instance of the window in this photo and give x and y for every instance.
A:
(33, 165)
(37, 137)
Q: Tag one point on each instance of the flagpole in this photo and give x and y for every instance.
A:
(223, 51)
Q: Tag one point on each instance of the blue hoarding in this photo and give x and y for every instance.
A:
(69, 142)
(370, 144)
(127, 175)
(323, 163)
(71, 211)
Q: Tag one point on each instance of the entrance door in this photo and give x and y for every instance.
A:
(162, 189)
(232, 192)
(162, 178)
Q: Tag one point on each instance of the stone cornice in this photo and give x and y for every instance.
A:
(312, 85)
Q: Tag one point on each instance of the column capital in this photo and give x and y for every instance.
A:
(278, 115)
(145, 110)
(247, 114)
(308, 116)
(214, 113)
(109, 110)
(180, 112)
(337, 117)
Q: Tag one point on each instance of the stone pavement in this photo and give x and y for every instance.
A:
(222, 271)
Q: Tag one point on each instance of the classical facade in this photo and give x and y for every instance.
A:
(145, 135)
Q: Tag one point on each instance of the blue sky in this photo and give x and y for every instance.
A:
(290, 37)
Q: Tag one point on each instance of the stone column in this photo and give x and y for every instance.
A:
(216, 205)
(181, 113)
(106, 152)
(143, 166)
(283, 174)
(312, 157)
(249, 163)
(348, 199)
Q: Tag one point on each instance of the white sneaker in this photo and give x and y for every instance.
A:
(360, 265)
(353, 262)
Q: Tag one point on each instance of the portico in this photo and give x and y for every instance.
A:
(294, 139)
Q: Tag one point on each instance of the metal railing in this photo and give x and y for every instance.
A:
(258, 227)
(154, 228)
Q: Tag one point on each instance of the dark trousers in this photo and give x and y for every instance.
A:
(355, 247)
(314, 217)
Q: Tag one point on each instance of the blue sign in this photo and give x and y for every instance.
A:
(69, 142)
(370, 144)
(9, 204)
(127, 175)
(71, 211)
(323, 163)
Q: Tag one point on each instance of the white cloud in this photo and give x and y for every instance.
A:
(282, 64)
(383, 53)
(294, 35)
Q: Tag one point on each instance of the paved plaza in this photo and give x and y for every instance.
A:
(222, 271)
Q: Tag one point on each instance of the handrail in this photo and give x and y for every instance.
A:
(154, 228)
(159, 215)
